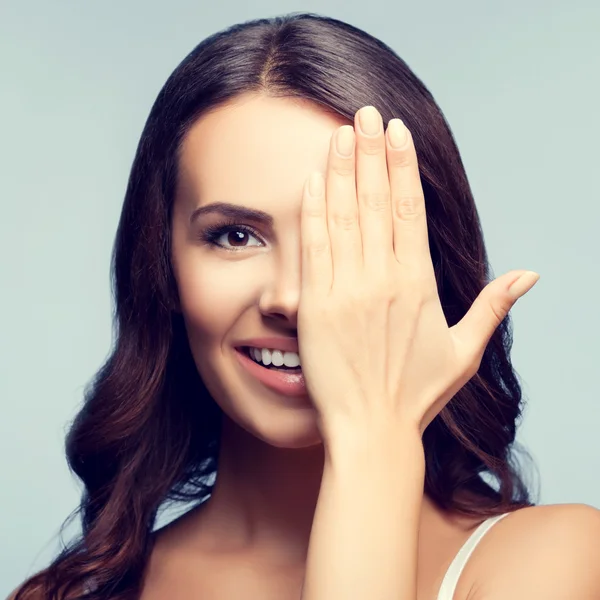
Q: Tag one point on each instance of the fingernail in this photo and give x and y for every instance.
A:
(523, 284)
(369, 120)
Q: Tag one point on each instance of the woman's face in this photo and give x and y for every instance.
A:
(254, 152)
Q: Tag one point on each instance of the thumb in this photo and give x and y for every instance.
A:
(473, 332)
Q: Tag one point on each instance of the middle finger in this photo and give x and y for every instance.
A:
(373, 190)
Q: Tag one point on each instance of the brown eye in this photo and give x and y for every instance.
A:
(235, 236)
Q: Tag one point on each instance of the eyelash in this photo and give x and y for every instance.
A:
(212, 233)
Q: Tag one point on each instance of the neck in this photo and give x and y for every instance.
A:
(264, 499)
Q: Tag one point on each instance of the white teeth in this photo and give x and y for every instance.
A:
(278, 358)
(266, 357)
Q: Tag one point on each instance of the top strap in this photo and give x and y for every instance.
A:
(455, 569)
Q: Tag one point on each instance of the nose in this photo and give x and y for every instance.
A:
(281, 293)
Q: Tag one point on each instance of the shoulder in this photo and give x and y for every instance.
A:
(549, 552)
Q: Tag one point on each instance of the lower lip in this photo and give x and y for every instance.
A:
(288, 384)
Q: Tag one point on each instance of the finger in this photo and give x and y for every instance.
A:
(411, 244)
(474, 331)
(342, 208)
(373, 190)
(316, 250)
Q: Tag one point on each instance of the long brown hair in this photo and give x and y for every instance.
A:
(148, 432)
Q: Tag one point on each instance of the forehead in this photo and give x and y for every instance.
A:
(255, 149)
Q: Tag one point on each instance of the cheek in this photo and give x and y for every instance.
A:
(213, 294)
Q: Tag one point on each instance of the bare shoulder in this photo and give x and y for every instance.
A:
(550, 552)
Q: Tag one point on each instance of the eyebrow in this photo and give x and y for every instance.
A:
(234, 211)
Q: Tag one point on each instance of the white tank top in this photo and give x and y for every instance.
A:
(456, 567)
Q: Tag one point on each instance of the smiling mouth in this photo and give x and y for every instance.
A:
(246, 351)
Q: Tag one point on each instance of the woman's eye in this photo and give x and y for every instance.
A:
(229, 237)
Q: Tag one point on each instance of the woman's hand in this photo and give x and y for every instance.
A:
(373, 339)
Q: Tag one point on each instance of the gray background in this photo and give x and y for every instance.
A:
(519, 85)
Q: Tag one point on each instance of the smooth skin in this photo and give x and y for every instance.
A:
(251, 538)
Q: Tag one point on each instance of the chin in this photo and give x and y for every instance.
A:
(276, 420)
(282, 428)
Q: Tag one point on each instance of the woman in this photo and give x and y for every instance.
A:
(360, 475)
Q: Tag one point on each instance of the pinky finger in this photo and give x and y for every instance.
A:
(317, 264)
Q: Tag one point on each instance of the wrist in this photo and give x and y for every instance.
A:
(374, 443)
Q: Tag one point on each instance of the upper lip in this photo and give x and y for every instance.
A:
(272, 342)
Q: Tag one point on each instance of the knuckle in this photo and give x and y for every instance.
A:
(408, 207)
(378, 293)
(344, 168)
(398, 159)
(367, 300)
(314, 213)
(376, 201)
(354, 295)
(345, 221)
(381, 293)
(317, 248)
